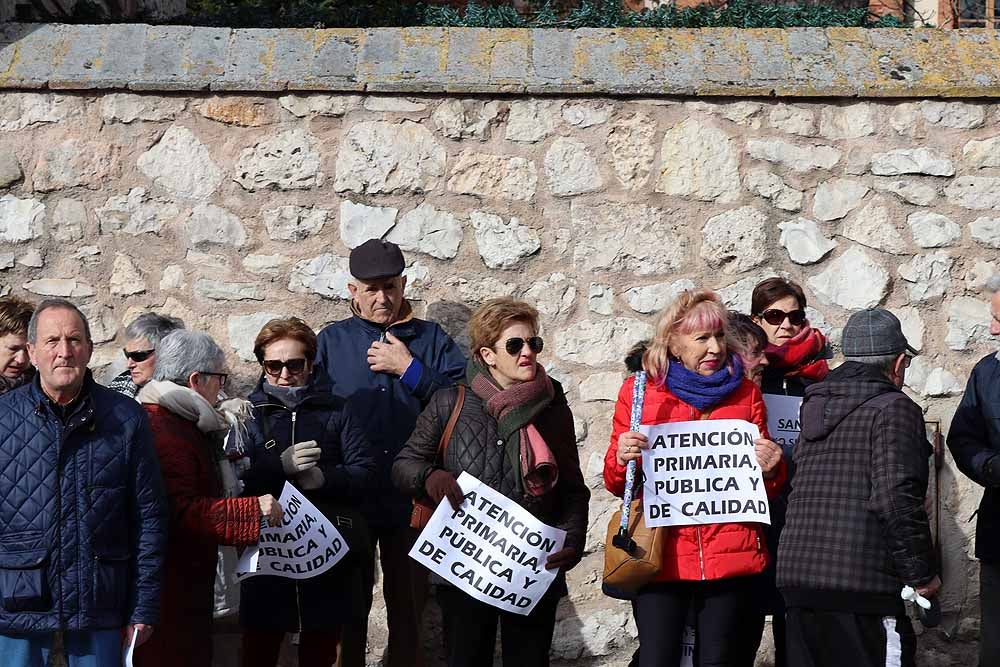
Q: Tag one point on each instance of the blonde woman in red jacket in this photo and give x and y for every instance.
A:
(706, 567)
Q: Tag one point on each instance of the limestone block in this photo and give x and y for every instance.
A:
(465, 119)
(428, 230)
(982, 154)
(20, 110)
(571, 169)
(910, 191)
(957, 115)
(486, 175)
(480, 289)
(392, 104)
(601, 386)
(379, 157)
(32, 258)
(62, 287)
(126, 279)
(986, 231)
(20, 219)
(648, 299)
(294, 223)
(763, 183)
(735, 241)
(319, 105)
(265, 265)
(630, 144)
(206, 260)
(852, 281)
(128, 108)
(852, 121)
(288, 161)
(973, 192)
(586, 114)
(88, 254)
(941, 382)
(700, 162)
(837, 197)
(359, 223)
(553, 296)
(600, 342)
(532, 120)
(929, 276)
(210, 225)
(239, 110)
(977, 276)
(917, 373)
(968, 323)
(601, 299)
(503, 245)
(102, 321)
(134, 213)
(584, 636)
(627, 238)
(875, 227)
(73, 163)
(218, 290)
(6, 260)
(793, 156)
(172, 278)
(804, 241)
(10, 168)
(911, 161)
(904, 118)
(418, 278)
(243, 329)
(933, 230)
(793, 120)
(181, 164)
(326, 275)
(912, 325)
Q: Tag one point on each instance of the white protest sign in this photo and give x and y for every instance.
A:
(702, 472)
(783, 420)
(490, 548)
(304, 545)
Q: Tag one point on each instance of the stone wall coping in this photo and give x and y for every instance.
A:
(797, 62)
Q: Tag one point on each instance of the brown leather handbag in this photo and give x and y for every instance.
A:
(422, 507)
(633, 557)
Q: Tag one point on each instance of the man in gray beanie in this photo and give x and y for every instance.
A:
(856, 531)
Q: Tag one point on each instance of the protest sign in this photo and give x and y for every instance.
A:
(702, 472)
(304, 545)
(783, 420)
(490, 548)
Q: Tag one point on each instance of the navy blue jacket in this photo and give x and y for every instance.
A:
(334, 597)
(83, 513)
(343, 352)
(974, 438)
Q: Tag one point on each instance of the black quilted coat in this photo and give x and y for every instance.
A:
(476, 449)
(82, 513)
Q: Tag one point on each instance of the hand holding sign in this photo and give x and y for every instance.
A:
(768, 456)
(630, 446)
(441, 484)
(270, 509)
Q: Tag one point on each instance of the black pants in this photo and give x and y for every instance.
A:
(470, 631)
(989, 600)
(820, 638)
(721, 609)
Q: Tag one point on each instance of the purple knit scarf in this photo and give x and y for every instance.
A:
(704, 391)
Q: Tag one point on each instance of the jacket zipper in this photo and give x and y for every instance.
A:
(298, 598)
(701, 554)
(59, 514)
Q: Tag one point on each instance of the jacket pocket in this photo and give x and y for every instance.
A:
(24, 581)
(111, 581)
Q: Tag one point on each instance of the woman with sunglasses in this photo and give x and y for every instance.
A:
(796, 357)
(141, 338)
(189, 425)
(709, 569)
(301, 433)
(514, 433)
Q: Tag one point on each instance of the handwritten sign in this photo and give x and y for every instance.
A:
(702, 472)
(490, 548)
(783, 420)
(306, 544)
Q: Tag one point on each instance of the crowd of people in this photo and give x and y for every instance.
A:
(114, 500)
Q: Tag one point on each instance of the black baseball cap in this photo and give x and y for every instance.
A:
(874, 332)
(376, 259)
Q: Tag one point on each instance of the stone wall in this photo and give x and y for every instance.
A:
(226, 209)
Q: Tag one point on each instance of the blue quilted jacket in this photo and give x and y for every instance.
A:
(82, 513)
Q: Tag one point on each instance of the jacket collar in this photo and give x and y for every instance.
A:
(402, 328)
(83, 406)
(320, 391)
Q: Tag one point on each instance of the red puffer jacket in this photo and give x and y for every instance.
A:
(200, 520)
(714, 551)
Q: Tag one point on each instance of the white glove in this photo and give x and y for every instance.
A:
(300, 457)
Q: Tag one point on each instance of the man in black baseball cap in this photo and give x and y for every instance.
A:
(398, 361)
(856, 530)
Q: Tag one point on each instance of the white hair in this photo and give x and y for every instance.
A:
(185, 352)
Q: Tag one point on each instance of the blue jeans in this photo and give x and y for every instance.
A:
(96, 648)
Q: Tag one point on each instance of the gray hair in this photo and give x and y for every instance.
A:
(883, 362)
(55, 304)
(993, 284)
(153, 327)
(184, 352)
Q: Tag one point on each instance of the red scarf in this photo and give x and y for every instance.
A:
(801, 356)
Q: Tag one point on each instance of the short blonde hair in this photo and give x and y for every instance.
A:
(692, 310)
(490, 319)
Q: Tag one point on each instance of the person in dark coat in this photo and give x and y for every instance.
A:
(15, 366)
(974, 441)
(303, 434)
(188, 427)
(856, 530)
(513, 403)
(82, 508)
(384, 349)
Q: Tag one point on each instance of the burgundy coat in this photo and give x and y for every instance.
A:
(200, 520)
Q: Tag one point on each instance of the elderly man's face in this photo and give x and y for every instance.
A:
(61, 353)
(995, 312)
(379, 301)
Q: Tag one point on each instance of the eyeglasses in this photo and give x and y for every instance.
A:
(274, 367)
(223, 377)
(775, 316)
(138, 356)
(514, 345)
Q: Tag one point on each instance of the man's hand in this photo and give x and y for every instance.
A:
(564, 559)
(931, 588)
(142, 632)
(392, 356)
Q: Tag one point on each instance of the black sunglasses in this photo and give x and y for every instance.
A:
(514, 345)
(138, 356)
(223, 377)
(775, 316)
(274, 367)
